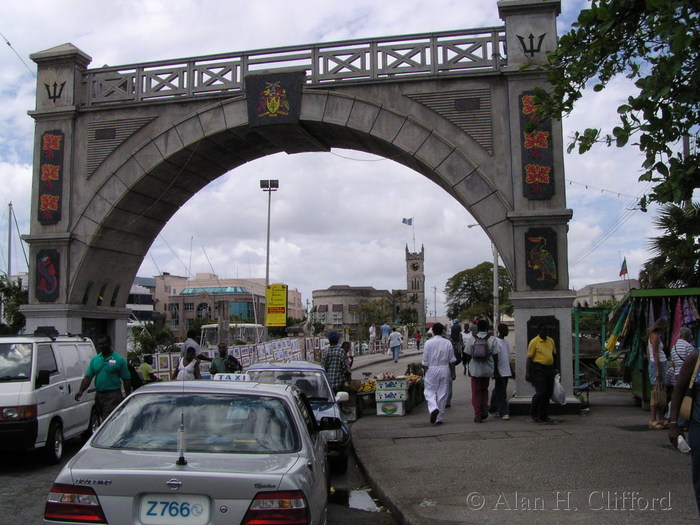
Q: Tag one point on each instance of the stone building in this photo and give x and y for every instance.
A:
(338, 307)
(591, 294)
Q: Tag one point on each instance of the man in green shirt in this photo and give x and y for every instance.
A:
(109, 370)
(224, 364)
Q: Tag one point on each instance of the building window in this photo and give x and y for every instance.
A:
(203, 311)
(354, 318)
(337, 317)
(189, 307)
(175, 311)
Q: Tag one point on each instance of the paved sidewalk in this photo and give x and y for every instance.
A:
(601, 467)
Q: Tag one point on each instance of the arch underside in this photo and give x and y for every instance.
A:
(139, 192)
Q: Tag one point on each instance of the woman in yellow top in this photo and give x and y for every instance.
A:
(540, 371)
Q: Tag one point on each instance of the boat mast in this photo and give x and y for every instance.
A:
(9, 242)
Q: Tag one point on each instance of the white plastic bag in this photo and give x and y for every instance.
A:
(558, 394)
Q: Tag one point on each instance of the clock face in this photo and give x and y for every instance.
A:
(415, 266)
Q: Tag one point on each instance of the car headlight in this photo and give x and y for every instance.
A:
(332, 435)
(18, 413)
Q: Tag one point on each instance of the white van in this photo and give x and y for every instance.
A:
(39, 375)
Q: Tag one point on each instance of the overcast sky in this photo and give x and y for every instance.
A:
(336, 218)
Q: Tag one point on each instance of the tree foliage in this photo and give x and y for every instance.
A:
(469, 293)
(656, 43)
(12, 297)
(150, 339)
(676, 253)
(374, 312)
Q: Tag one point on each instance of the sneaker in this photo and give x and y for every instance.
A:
(478, 420)
(505, 417)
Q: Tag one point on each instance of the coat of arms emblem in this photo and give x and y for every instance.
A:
(273, 101)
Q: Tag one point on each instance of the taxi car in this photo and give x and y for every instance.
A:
(311, 379)
(196, 453)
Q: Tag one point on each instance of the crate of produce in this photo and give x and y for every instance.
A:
(392, 384)
(391, 395)
(391, 408)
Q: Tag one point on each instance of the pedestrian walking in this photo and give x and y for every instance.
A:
(395, 340)
(110, 371)
(439, 366)
(502, 372)
(481, 350)
(334, 362)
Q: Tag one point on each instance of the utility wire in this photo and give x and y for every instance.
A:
(18, 55)
(621, 218)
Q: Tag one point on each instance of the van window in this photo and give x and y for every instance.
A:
(15, 361)
(45, 360)
(71, 360)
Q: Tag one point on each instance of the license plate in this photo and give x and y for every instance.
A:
(175, 509)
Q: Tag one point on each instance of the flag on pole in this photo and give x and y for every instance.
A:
(408, 222)
(623, 269)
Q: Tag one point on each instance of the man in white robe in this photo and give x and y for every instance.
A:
(439, 364)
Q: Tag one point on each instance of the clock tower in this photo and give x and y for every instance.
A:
(415, 283)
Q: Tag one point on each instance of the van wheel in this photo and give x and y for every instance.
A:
(53, 450)
(93, 425)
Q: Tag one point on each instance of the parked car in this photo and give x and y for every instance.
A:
(311, 379)
(196, 453)
(39, 375)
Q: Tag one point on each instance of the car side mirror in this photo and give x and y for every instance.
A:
(43, 378)
(329, 423)
(342, 397)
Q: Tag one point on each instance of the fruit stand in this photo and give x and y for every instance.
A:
(389, 395)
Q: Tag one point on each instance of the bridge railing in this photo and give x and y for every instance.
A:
(465, 52)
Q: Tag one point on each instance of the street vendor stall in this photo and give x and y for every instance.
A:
(631, 319)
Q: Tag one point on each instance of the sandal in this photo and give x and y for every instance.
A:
(654, 425)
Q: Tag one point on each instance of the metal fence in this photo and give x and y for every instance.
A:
(450, 53)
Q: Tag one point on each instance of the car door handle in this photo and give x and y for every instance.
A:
(310, 465)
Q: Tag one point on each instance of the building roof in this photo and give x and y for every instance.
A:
(214, 290)
(620, 284)
(148, 282)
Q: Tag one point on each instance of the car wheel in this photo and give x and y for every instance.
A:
(93, 424)
(53, 450)
(339, 465)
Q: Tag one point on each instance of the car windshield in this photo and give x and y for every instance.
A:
(312, 382)
(15, 361)
(218, 423)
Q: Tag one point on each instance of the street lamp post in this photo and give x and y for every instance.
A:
(269, 186)
(496, 316)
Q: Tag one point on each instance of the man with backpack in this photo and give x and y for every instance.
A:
(481, 350)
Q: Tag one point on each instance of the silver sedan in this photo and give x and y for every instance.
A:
(199, 453)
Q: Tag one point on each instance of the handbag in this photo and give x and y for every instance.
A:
(558, 394)
(687, 403)
(658, 396)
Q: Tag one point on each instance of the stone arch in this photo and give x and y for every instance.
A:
(137, 193)
(132, 146)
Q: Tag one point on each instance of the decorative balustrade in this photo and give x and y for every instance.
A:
(466, 52)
